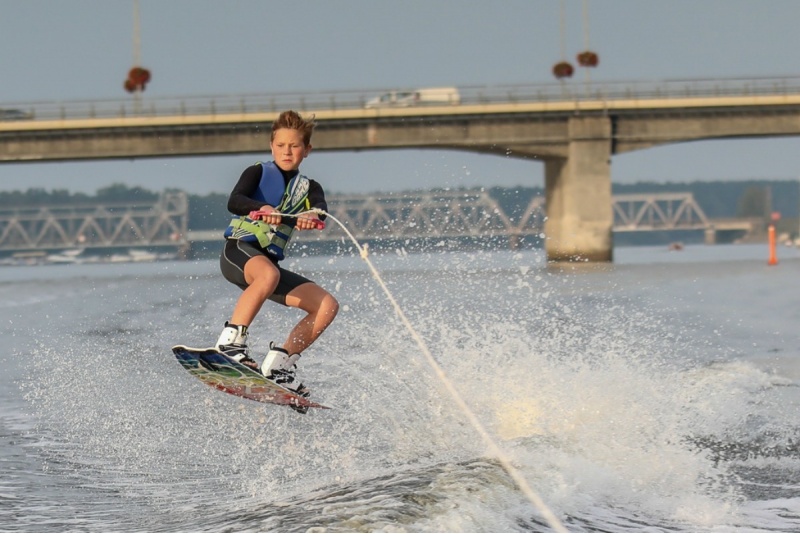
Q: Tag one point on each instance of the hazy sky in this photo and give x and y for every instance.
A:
(82, 49)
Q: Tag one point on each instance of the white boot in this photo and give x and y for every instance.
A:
(280, 367)
(232, 343)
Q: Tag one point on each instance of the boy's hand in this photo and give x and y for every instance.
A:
(266, 214)
(309, 221)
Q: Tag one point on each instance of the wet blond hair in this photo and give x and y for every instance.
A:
(292, 120)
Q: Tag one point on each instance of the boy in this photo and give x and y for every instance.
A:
(254, 248)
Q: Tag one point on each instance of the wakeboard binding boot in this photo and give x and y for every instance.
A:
(232, 343)
(281, 367)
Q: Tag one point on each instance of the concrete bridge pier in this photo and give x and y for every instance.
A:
(710, 235)
(580, 215)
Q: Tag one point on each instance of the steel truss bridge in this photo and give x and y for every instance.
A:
(471, 213)
(431, 214)
(474, 213)
(671, 211)
(95, 226)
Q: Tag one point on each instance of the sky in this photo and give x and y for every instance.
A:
(70, 50)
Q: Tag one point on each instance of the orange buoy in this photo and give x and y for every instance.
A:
(773, 256)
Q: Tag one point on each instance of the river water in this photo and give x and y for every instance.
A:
(659, 393)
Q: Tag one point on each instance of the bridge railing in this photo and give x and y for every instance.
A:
(632, 90)
(144, 106)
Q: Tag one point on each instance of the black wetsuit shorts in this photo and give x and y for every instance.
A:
(236, 253)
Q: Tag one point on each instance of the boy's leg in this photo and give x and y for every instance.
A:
(321, 308)
(262, 277)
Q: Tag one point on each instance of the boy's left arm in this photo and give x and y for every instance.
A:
(316, 199)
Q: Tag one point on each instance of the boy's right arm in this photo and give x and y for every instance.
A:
(239, 202)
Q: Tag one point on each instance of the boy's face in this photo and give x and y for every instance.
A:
(288, 149)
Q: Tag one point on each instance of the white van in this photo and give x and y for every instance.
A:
(419, 97)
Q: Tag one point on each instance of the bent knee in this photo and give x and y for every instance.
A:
(330, 306)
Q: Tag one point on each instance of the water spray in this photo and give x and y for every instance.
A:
(494, 449)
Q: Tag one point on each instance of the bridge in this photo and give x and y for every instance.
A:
(441, 215)
(573, 129)
(163, 223)
(475, 214)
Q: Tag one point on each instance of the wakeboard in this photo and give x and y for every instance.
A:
(222, 373)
